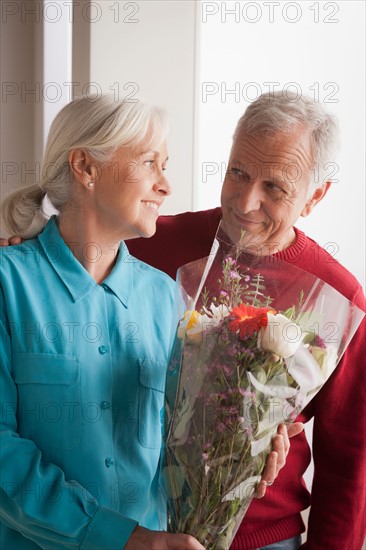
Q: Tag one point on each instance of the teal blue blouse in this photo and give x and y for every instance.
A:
(82, 380)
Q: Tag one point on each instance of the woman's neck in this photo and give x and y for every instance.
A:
(91, 246)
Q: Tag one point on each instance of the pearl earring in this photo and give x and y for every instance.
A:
(90, 184)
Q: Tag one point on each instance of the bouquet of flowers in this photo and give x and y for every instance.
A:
(258, 339)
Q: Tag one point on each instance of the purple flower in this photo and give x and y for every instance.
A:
(246, 393)
(234, 275)
(228, 369)
(230, 260)
(232, 410)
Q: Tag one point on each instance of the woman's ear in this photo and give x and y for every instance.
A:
(83, 167)
(316, 197)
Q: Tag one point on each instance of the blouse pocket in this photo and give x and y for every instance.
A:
(152, 375)
(48, 399)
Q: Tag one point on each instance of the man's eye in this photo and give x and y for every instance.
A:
(274, 187)
(238, 174)
(149, 162)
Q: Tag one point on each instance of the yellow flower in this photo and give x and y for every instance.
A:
(191, 326)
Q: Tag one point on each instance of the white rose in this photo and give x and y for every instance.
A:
(281, 336)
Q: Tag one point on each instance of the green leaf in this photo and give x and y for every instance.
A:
(173, 481)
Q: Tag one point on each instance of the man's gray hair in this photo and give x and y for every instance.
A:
(280, 113)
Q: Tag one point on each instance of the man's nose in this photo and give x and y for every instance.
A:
(250, 197)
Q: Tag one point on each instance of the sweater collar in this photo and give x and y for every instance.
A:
(290, 254)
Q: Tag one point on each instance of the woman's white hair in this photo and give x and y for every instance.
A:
(279, 113)
(98, 124)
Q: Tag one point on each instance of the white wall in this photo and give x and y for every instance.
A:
(314, 48)
(57, 62)
(146, 51)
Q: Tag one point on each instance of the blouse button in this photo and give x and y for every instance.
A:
(103, 350)
(108, 462)
(105, 405)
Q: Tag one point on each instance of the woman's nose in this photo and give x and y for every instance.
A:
(162, 186)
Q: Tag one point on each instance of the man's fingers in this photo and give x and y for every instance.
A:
(295, 428)
(269, 474)
(278, 445)
(282, 430)
(277, 458)
(15, 240)
(10, 241)
(261, 489)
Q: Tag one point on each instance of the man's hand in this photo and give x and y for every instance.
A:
(144, 539)
(10, 241)
(277, 457)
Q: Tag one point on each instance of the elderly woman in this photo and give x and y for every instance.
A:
(86, 332)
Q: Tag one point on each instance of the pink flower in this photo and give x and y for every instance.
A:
(230, 260)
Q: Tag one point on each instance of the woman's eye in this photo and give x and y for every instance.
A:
(149, 163)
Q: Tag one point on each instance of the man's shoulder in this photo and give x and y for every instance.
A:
(325, 265)
(178, 240)
(206, 221)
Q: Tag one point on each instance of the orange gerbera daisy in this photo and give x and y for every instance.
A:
(248, 319)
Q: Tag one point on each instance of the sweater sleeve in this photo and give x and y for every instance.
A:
(338, 501)
(36, 499)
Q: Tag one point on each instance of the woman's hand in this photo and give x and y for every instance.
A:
(277, 457)
(144, 539)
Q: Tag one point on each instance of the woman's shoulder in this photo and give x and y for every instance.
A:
(20, 255)
(151, 273)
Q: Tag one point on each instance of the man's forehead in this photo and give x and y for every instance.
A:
(273, 147)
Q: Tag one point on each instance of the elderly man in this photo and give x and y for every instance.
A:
(268, 186)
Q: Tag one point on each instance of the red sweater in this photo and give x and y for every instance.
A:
(338, 499)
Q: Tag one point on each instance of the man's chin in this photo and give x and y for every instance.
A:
(238, 235)
(252, 243)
